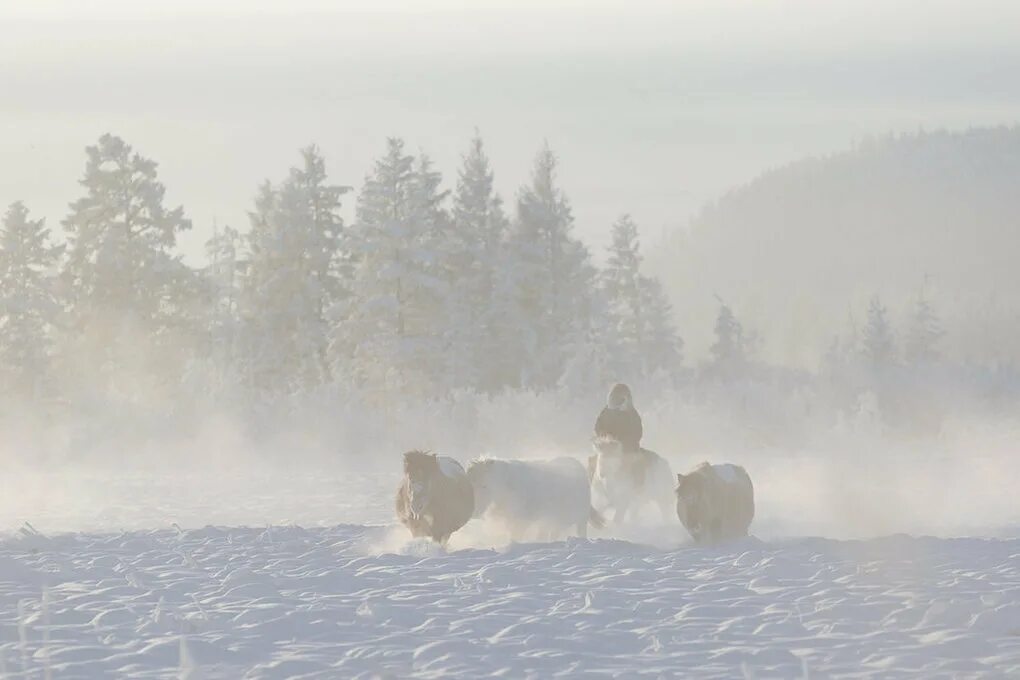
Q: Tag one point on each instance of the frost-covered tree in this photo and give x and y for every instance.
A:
(28, 304)
(223, 280)
(728, 345)
(733, 346)
(394, 336)
(328, 257)
(556, 278)
(479, 340)
(131, 300)
(877, 342)
(296, 271)
(223, 250)
(924, 331)
(622, 284)
(661, 345)
(640, 320)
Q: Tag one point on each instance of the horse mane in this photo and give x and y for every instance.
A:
(416, 455)
(695, 477)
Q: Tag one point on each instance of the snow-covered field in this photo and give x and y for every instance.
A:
(288, 601)
(320, 584)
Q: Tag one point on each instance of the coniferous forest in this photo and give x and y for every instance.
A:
(436, 289)
(435, 286)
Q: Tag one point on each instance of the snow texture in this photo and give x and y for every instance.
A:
(280, 602)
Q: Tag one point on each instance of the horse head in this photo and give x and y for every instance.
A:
(419, 469)
(690, 503)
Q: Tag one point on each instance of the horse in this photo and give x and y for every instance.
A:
(550, 495)
(631, 479)
(715, 502)
(435, 497)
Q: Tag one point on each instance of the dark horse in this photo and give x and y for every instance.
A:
(435, 498)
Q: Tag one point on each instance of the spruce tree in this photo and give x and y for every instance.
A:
(729, 349)
(661, 345)
(622, 274)
(924, 331)
(28, 304)
(393, 338)
(294, 276)
(319, 202)
(480, 343)
(223, 278)
(639, 319)
(877, 342)
(132, 302)
(555, 273)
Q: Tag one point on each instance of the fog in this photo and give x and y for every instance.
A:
(199, 379)
(509, 338)
(655, 109)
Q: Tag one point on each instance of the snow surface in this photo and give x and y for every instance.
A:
(137, 587)
(294, 602)
(304, 574)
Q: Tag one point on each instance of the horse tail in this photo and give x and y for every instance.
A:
(595, 519)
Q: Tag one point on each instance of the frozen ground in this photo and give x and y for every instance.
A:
(139, 588)
(288, 601)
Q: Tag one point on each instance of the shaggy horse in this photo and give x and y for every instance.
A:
(435, 497)
(715, 502)
(630, 479)
(552, 496)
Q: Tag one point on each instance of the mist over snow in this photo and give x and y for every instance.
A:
(252, 253)
(800, 251)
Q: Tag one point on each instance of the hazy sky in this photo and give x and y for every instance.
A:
(653, 107)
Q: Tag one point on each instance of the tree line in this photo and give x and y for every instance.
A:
(429, 289)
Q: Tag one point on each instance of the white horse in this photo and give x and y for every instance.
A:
(552, 496)
(631, 480)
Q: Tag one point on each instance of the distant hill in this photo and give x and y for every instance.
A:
(801, 249)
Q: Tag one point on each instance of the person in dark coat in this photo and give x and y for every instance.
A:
(620, 420)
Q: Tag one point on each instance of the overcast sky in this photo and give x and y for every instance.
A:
(653, 107)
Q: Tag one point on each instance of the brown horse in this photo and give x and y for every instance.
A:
(715, 502)
(435, 497)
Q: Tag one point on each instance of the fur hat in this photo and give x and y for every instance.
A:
(619, 398)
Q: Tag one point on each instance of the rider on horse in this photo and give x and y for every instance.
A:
(627, 474)
(620, 420)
